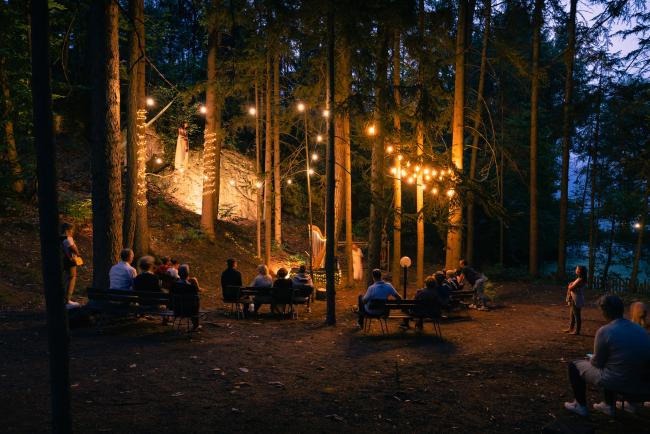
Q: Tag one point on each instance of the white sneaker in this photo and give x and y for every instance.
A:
(72, 304)
(472, 306)
(576, 408)
(627, 406)
(604, 408)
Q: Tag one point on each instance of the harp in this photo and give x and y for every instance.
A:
(317, 246)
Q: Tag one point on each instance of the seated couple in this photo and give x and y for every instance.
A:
(620, 362)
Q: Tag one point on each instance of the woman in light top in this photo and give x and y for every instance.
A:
(263, 279)
(575, 297)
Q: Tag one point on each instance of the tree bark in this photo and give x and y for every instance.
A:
(277, 158)
(567, 131)
(106, 156)
(258, 172)
(211, 134)
(48, 212)
(330, 246)
(610, 246)
(17, 182)
(454, 234)
(136, 225)
(593, 219)
(534, 103)
(419, 192)
(397, 181)
(268, 167)
(469, 254)
(639, 239)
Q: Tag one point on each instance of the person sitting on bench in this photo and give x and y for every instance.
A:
(121, 275)
(165, 264)
(452, 281)
(262, 280)
(146, 280)
(620, 361)
(379, 290)
(433, 297)
(231, 275)
(302, 283)
(182, 291)
(280, 286)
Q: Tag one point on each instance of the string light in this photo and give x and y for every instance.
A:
(434, 191)
(424, 187)
(433, 172)
(400, 157)
(393, 170)
(252, 111)
(450, 192)
(426, 171)
(141, 151)
(231, 182)
(301, 107)
(417, 169)
(258, 184)
(314, 156)
(408, 164)
(319, 138)
(326, 113)
(159, 160)
(637, 225)
(203, 109)
(209, 164)
(410, 180)
(371, 130)
(310, 171)
(427, 178)
(289, 181)
(150, 102)
(389, 149)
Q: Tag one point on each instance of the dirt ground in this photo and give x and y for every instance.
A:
(497, 372)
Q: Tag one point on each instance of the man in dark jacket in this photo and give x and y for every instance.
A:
(231, 275)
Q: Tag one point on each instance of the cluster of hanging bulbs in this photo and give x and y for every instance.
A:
(409, 173)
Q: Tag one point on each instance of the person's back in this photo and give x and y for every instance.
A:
(146, 282)
(121, 275)
(379, 290)
(231, 275)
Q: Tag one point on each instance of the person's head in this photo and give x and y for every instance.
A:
(184, 271)
(430, 282)
(174, 263)
(302, 269)
(638, 313)
(232, 263)
(262, 270)
(611, 306)
(185, 125)
(376, 274)
(126, 255)
(282, 273)
(354, 247)
(463, 263)
(67, 229)
(145, 263)
(439, 277)
(581, 271)
(164, 260)
(451, 274)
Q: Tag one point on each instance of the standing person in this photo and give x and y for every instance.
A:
(182, 156)
(639, 314)
(357, 262)
(231, 275)
(70, 255)
(576, 299)
(477, 281)
(121, 275)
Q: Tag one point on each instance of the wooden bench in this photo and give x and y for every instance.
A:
(238, 297)
(402, 309)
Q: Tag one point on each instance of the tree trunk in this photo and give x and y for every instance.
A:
(419, 192)
(534, 103)
(454, 234)
(330, 246)
(258, 172)
(136, 227)
(639, 240)
(377, 210)
(593, 220)
(469, 254)
(17, 184)
(610, 245)
(277, 157)
(397, 181)
(268, 168)
(106, 156)
(48, 212)
(567, 131)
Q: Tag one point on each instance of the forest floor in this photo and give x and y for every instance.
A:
(501, 371)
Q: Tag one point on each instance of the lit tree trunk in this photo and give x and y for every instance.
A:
(268, 167)
(258, 170)
(639, 239)
(18, 184)
(534, 102)
(593, 228)
(397, 182)
(419, 192)
(277, 158)
(106, 158)
(212, 141)
(377, 160)
(330, 246)
(566, 138)
(454, 234)
(48, 213)
(469, 255)
(610, 246)
(136, 226)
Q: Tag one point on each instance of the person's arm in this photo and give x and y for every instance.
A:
(238, 280)
(601, 349)
(366, 296)
(395, 293)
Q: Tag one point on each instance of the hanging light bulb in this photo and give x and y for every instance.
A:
(434, 191)
(319, 138)
(159, 160)
(252, 111)
(426, 171)
(400, 157)
(410, 180)
(427, 178)
(450, 192)
(232, 182)
(393, 170)
(314, 156)
(389, 149)
(417, 169)
(289, 181)
(371, 130)
(433, 172)
(310, 171)
(203, 109)
(150, 102)
(300, 107)
(326, 113)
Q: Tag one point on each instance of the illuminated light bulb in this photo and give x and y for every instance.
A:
(371, 130)
(426, 171)
(448, 171)
(427, 177)
(400, 157)
(150, 102)
(424, 187)
(450, 192)
(410, 180)
(319, 138)
(326, 113)
(181, 170)
(159, 160)
(393, 170)
(314, 156)
(258, 184)
(301, 107)
(289, 181)
(417, 169)
(637, 225)
(252, 111)
(440, 178)
(231, 182)
(433, 172)
(310, 171)
(434, 190)
(203, 109)
(205, 177)
(389, 149)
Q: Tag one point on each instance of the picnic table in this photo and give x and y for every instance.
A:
(239, 297)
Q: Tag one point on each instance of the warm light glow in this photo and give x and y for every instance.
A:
(150, 102)
(637, 225)
(410, 180)
(310, 171)
(159, 160)
(231, 182)
(181, 170)
(301, 107)
(408, 164)
(427, 178)
(434, 190)
(440, 178)
(393, 170)
(252, 111)
(289, 181)
(417, 169)
(426, 171)
(450, 192)
(319, 138)
(389, 149)
(400, 157)
(424, 187)
(433, 172)
(371, 130)
(258, 184)
(314, 156)
(203, 109)
(326, 113)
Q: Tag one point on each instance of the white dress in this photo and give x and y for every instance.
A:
(357, 264)
(182, 150)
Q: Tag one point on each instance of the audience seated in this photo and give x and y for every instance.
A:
(262, 280)
(186, 286)
(231, 275)
(165, 264)
(302, 283)
(146, 280)
(379, 290)
(282, 288)
(620, 361)
(452, 281)
(121, 275)
(173, 269)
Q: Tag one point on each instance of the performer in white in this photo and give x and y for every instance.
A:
(357, 262)
(182, 149)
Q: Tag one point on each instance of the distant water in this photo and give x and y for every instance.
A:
(621, 265)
